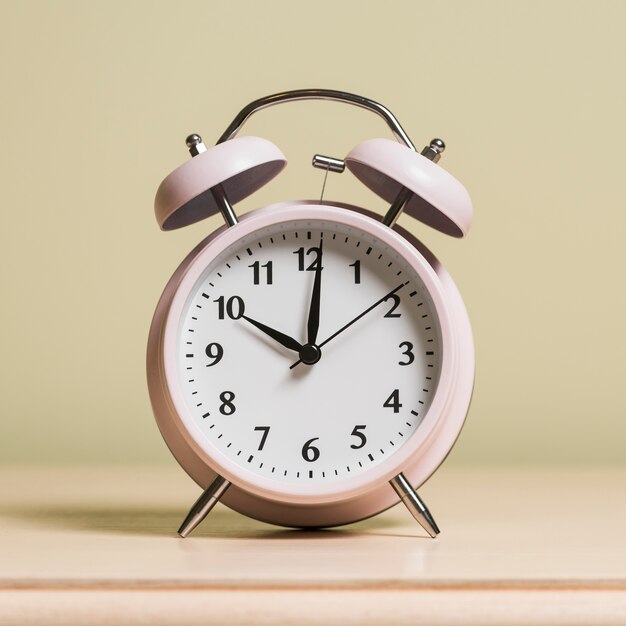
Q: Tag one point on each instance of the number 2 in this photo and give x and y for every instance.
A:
(396, 304)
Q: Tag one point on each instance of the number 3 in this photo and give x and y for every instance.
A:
(408, 353)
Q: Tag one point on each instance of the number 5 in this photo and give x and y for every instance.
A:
(362, 438)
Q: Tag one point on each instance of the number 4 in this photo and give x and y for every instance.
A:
(393, 401)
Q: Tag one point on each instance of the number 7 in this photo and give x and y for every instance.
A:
(266, 430)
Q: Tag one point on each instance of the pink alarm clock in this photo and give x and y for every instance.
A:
(311, 363)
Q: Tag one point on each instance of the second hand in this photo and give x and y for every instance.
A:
(356, 319)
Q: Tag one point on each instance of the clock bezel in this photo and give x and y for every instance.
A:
(177, 413)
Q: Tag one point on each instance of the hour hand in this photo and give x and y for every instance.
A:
(276, 335)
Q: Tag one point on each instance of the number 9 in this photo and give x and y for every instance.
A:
(214, 351)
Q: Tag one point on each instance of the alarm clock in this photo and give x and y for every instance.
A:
(311, 363)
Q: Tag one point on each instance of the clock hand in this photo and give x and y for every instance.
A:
(283, 340)
(313, 323)
(356, 319)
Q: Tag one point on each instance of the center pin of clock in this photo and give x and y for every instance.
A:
(310, 354)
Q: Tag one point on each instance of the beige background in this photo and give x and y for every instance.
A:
(97, 98)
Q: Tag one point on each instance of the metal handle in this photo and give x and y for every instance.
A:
(317, 94)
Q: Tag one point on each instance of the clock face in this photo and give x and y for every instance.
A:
(302, 393)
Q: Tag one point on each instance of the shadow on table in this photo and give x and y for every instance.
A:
(163, 522)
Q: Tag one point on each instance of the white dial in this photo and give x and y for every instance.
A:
(298, 395)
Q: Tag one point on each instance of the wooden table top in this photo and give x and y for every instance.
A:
(518, 546)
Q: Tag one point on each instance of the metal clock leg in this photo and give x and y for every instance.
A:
(203, 505)
(412, 501)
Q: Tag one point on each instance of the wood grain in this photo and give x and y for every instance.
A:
(518, 546)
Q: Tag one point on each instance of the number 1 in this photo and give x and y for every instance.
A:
(357, 271)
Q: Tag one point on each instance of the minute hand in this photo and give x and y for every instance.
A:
(357, 318)
(313, 323)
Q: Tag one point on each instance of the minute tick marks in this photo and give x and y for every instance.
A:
(293, 443)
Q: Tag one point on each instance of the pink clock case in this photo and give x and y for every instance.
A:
(369, 493)
(412, 182)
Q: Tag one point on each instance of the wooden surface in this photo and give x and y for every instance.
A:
(518, 546)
